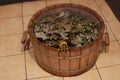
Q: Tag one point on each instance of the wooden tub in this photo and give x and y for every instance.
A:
(78, 60)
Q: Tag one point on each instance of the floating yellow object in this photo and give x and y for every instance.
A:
(63, 46)
(62, 43)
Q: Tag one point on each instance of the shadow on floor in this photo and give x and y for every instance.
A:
(4, 2)
(115, 6)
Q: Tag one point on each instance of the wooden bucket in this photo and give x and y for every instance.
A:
(79, 60)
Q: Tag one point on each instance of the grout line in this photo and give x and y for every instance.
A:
(23, 31)
(95, 65)
(31, 14)
(6, 35)
(11, 55)
(24, 51)
(25, 66)
(98, 72)
(114, 40)
(10, 17)
(70, 1)
(109, 66)
(111, 20)
(46, 3)
(28, 52)
(39, 77)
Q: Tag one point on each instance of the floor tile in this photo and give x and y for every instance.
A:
(11, 26)
(111, 36)
(84, 2)
(111, 58)
(86, 76)
(10, 45)
(111, 73)
(49, 78)
(94, 7)
(97, 10)
(12, 68)
(115, 26)
(33, 69)
(33, 7)
(101, 3)
(107, 13)
(11, 10)
(26, 21)
(51, 2)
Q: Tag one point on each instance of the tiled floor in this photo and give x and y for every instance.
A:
(15, 64)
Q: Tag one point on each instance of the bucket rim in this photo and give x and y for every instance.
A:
(78, 6)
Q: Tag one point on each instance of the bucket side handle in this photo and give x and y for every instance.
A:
(106, 41)
(25, 40)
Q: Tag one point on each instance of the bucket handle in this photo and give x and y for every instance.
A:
(106, 41)
(25, 41)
